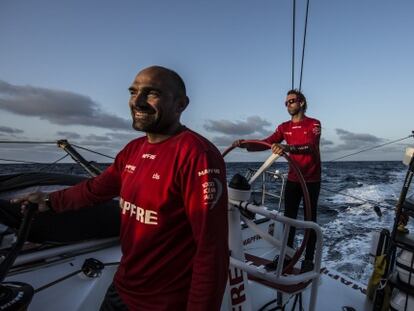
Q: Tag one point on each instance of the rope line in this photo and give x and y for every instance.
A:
(92, 151)
(371, 148)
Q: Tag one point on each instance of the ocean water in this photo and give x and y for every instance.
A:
(349, 193)
(350, 190)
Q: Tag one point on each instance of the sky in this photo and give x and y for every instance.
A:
(65, 69)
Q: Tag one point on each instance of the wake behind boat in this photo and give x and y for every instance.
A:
(78, 272)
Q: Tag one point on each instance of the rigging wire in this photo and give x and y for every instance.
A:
(92, 151)
(371, 148)
(293, 42)
(304, 44)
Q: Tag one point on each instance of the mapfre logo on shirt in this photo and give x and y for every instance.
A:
(140, 214)
(149, 156)
(207, 171)
(129, 168)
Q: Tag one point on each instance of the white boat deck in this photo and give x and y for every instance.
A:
(83, 294)
(332, 296)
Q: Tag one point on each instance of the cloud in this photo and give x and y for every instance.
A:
(354, 140)
(98, 138)
(67, 135)
(354, 146)
(125, 137)
(325, 142)
(57, 106)
(223, 141)
(109, 143)
(251, 126)
(9, 130)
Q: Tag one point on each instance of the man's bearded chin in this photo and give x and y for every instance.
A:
(148, 127)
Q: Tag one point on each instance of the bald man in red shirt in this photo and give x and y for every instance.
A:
(173, 205)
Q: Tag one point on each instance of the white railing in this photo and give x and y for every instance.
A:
(237, 258)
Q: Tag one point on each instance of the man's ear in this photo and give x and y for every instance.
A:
(302, 104)
(182, 103)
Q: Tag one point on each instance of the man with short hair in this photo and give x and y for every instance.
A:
(302, 136)
(173, 205)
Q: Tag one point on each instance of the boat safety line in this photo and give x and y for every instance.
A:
(26, 142)
(371, 148)
(53, 163)
(31, 162)
(69, 276)
(20, 161)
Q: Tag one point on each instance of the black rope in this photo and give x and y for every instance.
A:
(371, 148)
(67, 277)
(293, 42)
(262, 308)
(57, 281)
(304, 44)
(92, 151)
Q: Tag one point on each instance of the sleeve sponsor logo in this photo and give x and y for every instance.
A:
(129, 168)
(212, 191)
(140, 214)
(149, 156)
(209, 171)
(316, 129)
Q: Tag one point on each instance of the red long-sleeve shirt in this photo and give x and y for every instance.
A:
(304, 137)
(173, 205)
